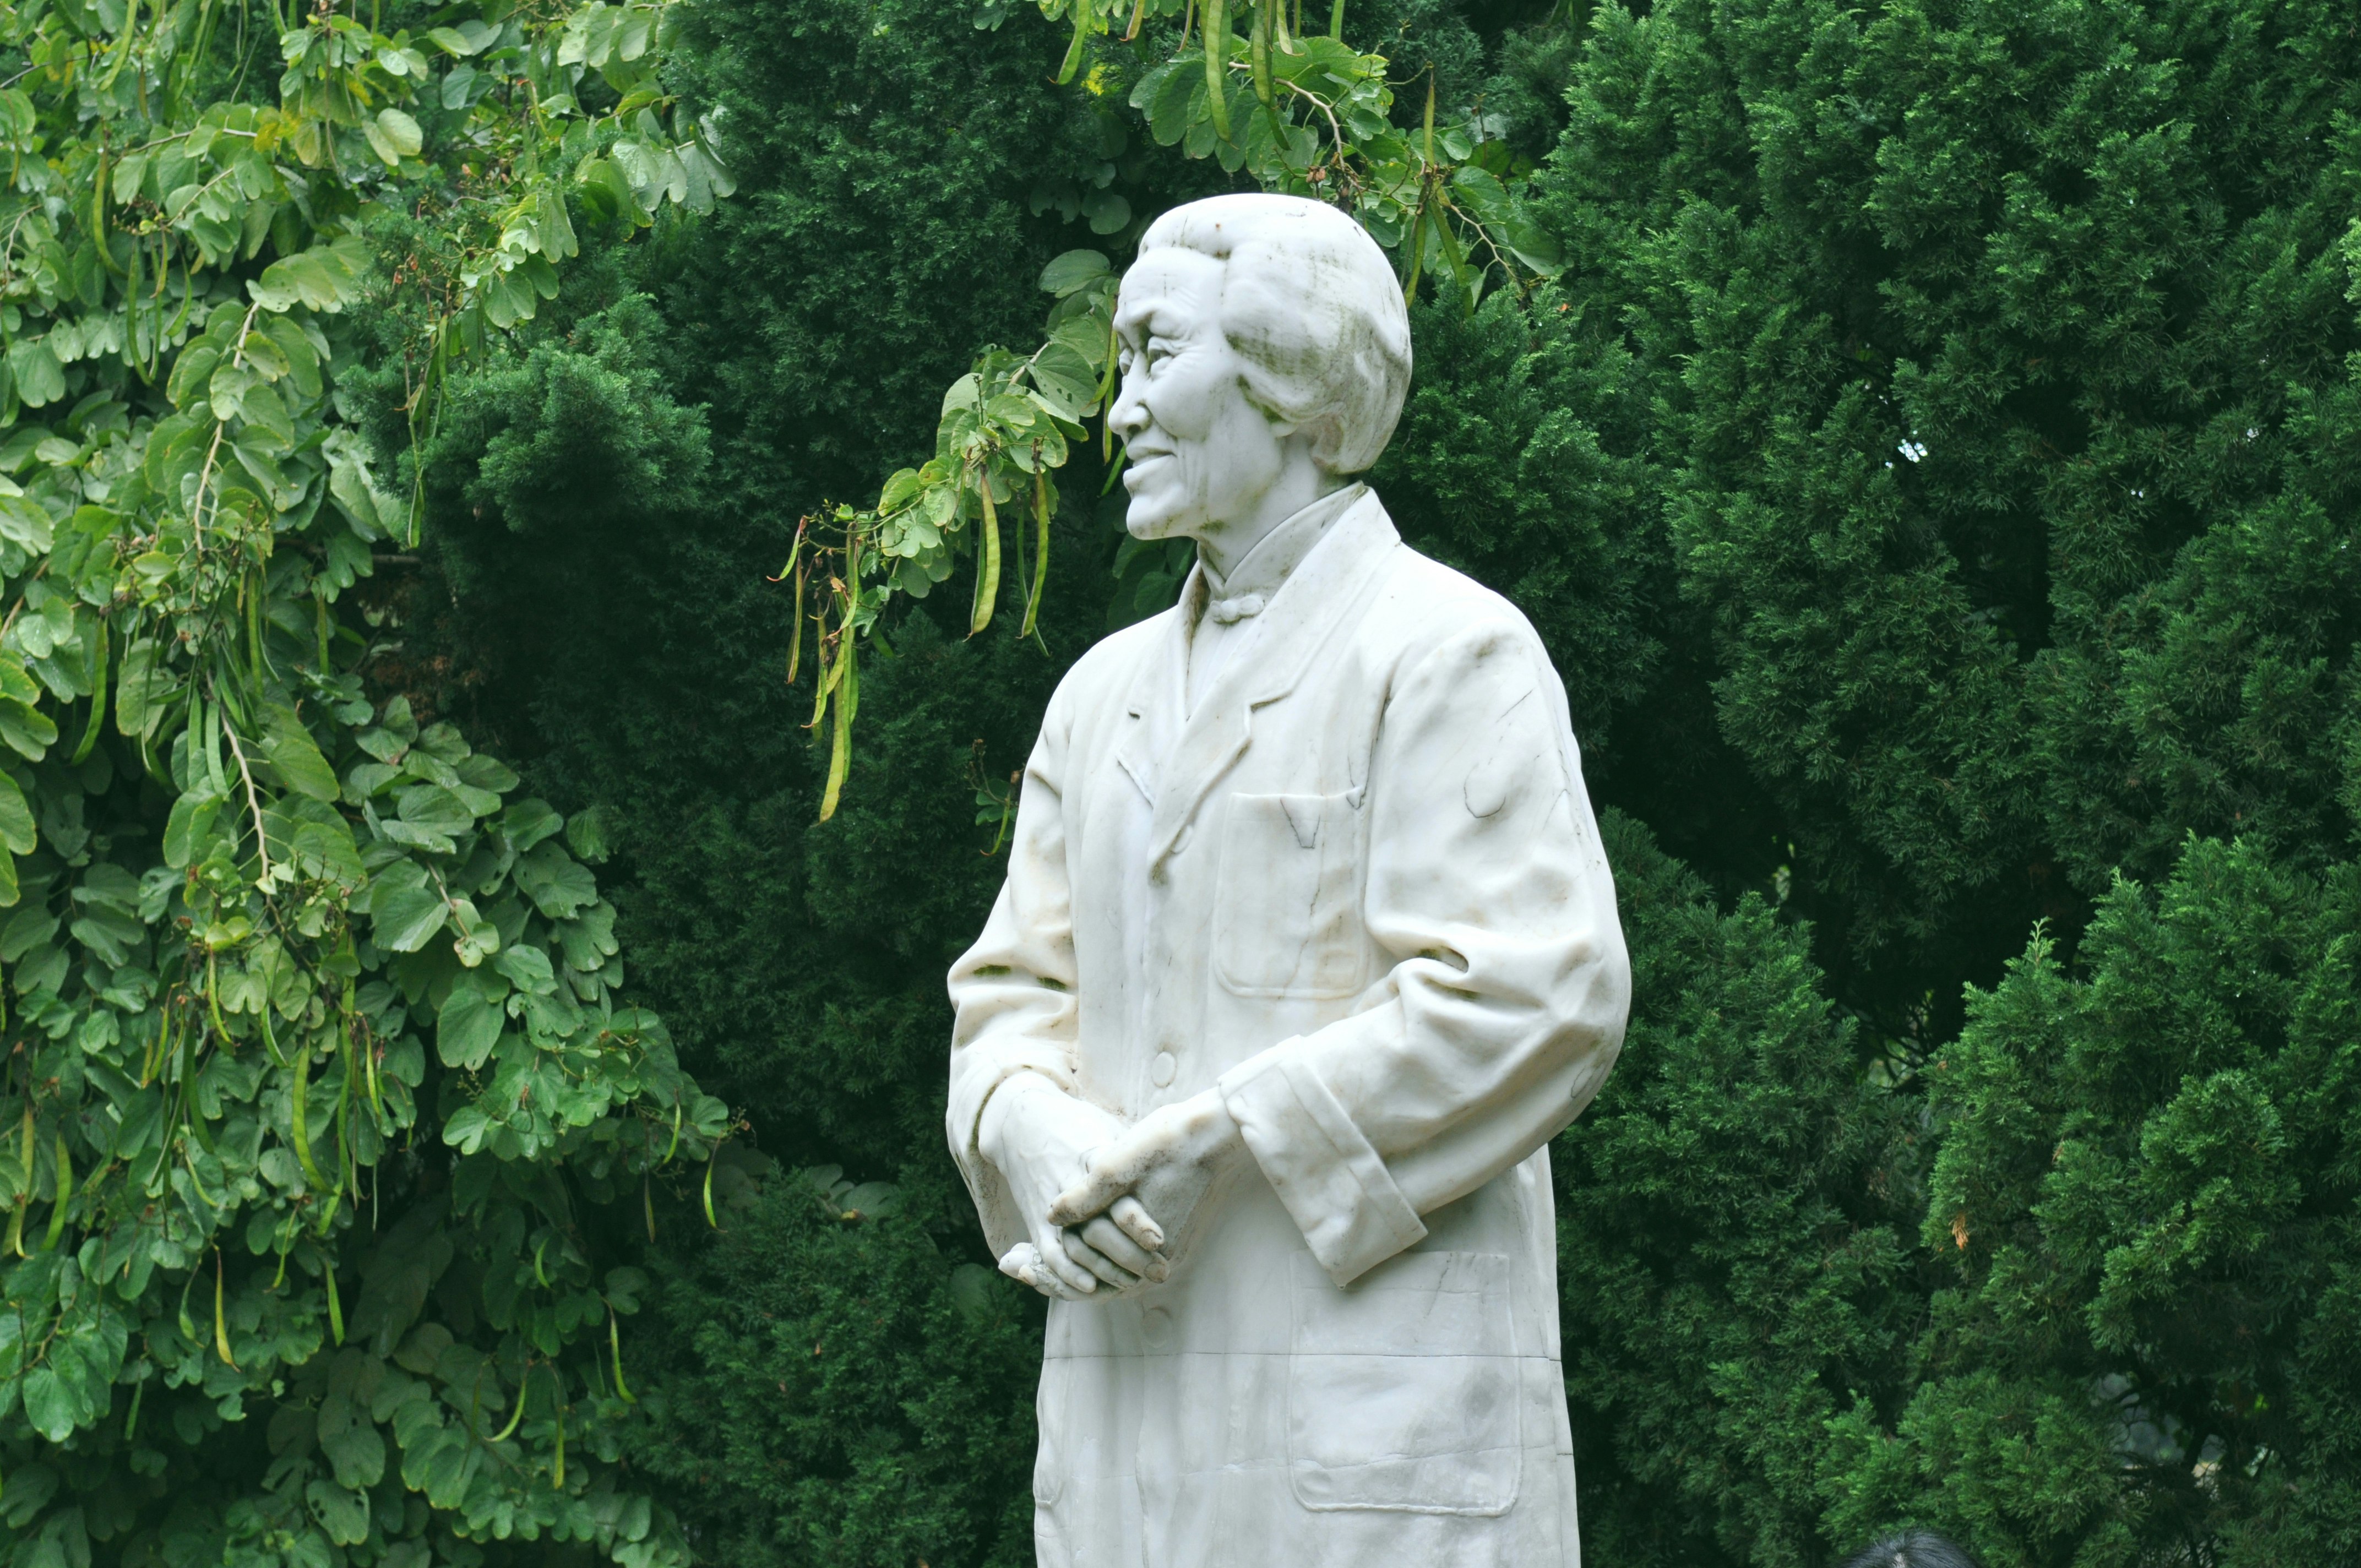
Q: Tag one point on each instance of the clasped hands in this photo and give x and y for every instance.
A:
(1103, 1204)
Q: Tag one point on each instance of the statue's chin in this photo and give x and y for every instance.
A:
(1148, 520)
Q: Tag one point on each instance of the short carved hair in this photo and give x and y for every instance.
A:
(1312, 305)
(1911, 1549)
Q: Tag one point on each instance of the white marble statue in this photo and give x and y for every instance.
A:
(1307, 950)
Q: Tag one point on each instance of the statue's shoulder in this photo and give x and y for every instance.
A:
(1117, 655)
(1105, 673)
(1423, 605)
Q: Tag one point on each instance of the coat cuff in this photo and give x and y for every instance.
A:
(1333, 1184)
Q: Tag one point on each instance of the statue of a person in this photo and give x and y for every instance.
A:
(1307, 949)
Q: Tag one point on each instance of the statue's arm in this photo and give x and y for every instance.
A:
(1488, 888)
(1012, 991)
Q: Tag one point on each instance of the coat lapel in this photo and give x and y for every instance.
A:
(1324, 593)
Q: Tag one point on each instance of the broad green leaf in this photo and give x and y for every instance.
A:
(468, 1025)
(323, 277)
(405, 907)
(138, 684)
(399, 132)
(528, 968)
(29, 732)
(527, 822)
(358, 1454)
(1074, 270)
(53, 1397)
(15, 817)
(1108, 210)
(589, 833)
(34, 370)
(25, 523)
(558, 885)
(189, 826)
(432, 808)
(296, 755)
(345, 1515)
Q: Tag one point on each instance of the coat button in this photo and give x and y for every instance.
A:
(1161, 1071)
(1156, 1328)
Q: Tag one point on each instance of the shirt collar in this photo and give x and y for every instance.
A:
(1250, 585)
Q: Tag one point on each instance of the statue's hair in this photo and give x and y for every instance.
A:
(1311, 304)
(1911, 1549)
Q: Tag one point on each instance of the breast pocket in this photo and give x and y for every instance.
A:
(1402, 1388)
(1286, 917)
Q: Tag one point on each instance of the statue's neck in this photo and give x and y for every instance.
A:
(1300, 481)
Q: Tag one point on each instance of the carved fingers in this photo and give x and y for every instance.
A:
(1102, 1246)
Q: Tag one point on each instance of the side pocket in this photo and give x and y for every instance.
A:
(1285, 916)
(1402, 1388)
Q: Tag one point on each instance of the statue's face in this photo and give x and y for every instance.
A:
(1202, 455)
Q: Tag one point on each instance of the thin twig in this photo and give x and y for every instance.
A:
(253, 801)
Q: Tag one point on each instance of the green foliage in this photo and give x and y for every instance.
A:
(1877, 471)
(1730, 1214)
(1987, 409)
(2148, 1182)
(840, 1391)
(318, 1080)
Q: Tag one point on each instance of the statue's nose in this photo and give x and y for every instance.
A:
(1127, 416)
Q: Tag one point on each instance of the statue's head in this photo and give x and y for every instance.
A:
(1259, 333)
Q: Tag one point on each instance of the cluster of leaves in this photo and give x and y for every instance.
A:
(310, 1007)
(1318, 125)
(1006, 425)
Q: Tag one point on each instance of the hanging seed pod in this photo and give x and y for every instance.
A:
(1217, 65)
(1258, 52)
(615, 1345)
(796, 646)
(1416, 247)
(25, 1186)
(1040, 549)
(97, 697)
(987, 578)
(298, 1094)
(829, 676)
(1072, 63)
(220, 1317)
(840, 755)
(524, 1387)
(65, 1195)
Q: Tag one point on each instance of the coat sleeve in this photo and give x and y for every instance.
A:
(1503, 1010)
(1012, 991)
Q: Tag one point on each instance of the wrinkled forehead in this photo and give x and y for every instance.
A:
(1170, 292)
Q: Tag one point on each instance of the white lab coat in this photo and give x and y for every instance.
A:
(1359, 889)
